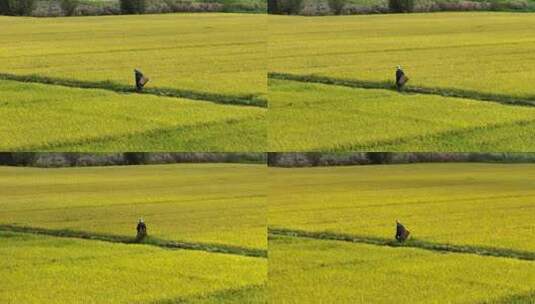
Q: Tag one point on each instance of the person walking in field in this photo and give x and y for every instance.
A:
(141, 80)
(141, 230)
(402, 234)
(401, 78)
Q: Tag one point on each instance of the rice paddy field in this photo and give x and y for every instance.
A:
(332, 234)
(454, 61)
(43, 269)
(208, 203)
(39, 117)
(69, 234)
(215, 53)
(318, 271)
(487, 52)
(354, 119)
(67, 83)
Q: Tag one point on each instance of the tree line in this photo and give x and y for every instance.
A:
(26, 7)
(293, 7)
(47, 8)
(56, 160)
(315, 159)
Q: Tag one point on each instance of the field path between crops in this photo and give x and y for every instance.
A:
(214, 248)
(386, 85)
(411, 243)
(239, 100)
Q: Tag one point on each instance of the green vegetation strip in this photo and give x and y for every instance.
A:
(242, 100)
(413, 243)
(216, 248)
(386, 85)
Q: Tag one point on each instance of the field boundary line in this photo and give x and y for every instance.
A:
(411, 243)
(237, 100)
(518, 298)
(405, 139)
(150, 241)
(386, 85)
(219, 293)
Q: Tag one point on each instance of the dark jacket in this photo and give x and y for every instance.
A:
(139, 76)
(399, 74)
(141, 228)
(401, 232)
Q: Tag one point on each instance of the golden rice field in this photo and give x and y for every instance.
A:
(465, 63)
(217, 53)
(319, 271)
(462, 204)
(471, 207)
(491, 52)
(206, 203)
(43, 269)
(80, 74)
(352, 119)
(39, 117)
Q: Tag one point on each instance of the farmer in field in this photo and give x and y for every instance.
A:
(402, 233)
(141, 230)
(141, 80)
(401, 78)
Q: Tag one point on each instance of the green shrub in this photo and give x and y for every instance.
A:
(17, 7)
(379, 158)
(69, 6)
(337, 6)
(401, 6)
(273, 7)
(4, 7)
(289, 7)
(133, 6)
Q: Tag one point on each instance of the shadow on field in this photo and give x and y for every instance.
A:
(252, 294)
(525, 298)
